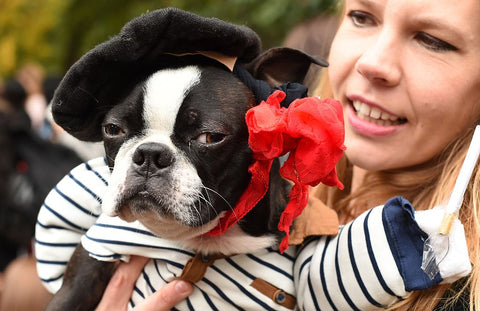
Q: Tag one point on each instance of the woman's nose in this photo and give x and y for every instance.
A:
(380, 61)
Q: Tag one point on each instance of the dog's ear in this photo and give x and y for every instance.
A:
(277, 69)
(281, 65)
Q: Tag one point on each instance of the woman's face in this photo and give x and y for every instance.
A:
(408, 75)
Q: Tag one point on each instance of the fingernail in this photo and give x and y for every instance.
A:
(183, 287)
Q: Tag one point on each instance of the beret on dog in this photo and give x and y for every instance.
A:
(99, 78)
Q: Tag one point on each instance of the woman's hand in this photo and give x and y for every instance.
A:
(120, 288)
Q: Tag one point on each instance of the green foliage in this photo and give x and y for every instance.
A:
(55, 33)
(24, 29)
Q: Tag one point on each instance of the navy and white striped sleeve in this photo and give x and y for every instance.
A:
(69, 210)
(372, 263)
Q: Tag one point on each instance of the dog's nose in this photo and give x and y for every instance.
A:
(153, 156)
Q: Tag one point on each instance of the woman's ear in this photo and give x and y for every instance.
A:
(281, 65)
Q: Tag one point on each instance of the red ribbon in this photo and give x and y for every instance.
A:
(312, 132)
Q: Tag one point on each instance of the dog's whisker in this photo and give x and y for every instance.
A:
(208, 196)
(206, 199)
(208, 203)
(225, 200)
(229, 205)
(219, 195)
(197, 211)
(110, 158)
(212, 209)
(209, 200)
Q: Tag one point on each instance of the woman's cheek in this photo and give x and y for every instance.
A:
(341, 63)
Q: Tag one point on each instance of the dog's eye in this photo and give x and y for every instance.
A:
(113, 130)
(210, 138)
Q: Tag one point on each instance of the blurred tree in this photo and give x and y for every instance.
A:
(55, 33)
(24, 29)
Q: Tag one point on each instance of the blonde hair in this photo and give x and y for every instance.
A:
(425, 186)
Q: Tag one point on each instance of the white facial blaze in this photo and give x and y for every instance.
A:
(164, 94)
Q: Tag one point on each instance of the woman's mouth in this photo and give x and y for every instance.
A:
(375, 115)
(369, 120)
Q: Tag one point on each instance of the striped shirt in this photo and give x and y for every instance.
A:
(359, 269)
(72, 212)
(354, 271)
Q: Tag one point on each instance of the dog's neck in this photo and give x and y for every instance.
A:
(257, 230)
(233, 241)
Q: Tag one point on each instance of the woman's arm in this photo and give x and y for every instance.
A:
(351, 270)
(373, 262)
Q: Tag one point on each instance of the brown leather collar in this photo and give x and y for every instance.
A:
(196, 267)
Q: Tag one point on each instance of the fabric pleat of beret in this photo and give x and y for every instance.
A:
(99, 79)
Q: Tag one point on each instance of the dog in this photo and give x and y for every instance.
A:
(177, 145)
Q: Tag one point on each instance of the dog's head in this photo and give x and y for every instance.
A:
(178, 146)
(174, 129)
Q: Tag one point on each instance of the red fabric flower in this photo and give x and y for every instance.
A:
(312, 132)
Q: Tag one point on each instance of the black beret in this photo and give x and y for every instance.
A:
(96, 81)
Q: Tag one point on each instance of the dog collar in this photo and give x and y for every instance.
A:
(196, 267)
(312, 132)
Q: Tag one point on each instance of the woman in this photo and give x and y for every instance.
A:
(407, 73)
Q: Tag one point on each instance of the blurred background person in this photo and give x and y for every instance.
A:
(31, 78)
(314, 37)
(29, 168)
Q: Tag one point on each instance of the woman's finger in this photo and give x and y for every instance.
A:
(120, 288)
(167, 297)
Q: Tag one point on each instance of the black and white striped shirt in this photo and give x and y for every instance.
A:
(360, 269)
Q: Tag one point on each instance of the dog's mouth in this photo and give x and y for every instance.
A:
(168, 218)
(138, 207)
(146, 209)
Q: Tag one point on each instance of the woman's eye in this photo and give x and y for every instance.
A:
(434, 44)
(361, 19)
(113, 130)
(210, 138)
